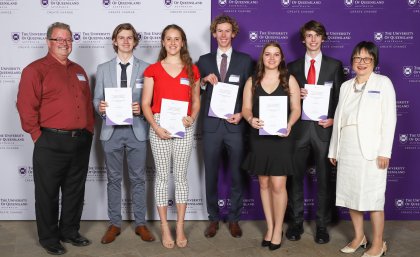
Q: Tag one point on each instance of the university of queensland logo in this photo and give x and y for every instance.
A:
(348, 3)
(407, 71)
(140, 36)
(106, 3)
(77, 36)
(221, 202)
(22, 171)
(167, 3)
(412, 3)
(15, 36)
(222, 3)
(346, 70)
(285, 3)
(253, 36)
(44, 3)
(403, 138)
(378, 36)
(399, 203)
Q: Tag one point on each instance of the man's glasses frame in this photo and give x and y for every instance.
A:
(62, 40)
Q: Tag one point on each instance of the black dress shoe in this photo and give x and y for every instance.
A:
(55, 249)
(322, 236)
(273, 247)
(77, 240)
(265, 243)
(294, 231)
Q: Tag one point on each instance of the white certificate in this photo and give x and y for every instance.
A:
(223, 100)
(171, 114)
(273, 112)
(119, 110)
(315, 104)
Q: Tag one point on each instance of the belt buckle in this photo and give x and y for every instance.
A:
(76, 133)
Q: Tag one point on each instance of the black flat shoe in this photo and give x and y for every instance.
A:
(273, 247)
(55, 249)
(294, 231)
(77, 240)
(265, 243)
(322, 236)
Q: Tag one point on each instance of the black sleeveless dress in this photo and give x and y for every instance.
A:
(269, 155)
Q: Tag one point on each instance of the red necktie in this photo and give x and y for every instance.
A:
(311, 73)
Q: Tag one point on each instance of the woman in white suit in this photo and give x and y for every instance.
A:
(361, 145)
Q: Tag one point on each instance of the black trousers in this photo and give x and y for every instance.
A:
(60, 162)
(214, 146)
(307, 143)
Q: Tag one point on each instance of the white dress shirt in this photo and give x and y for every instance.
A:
(317, 65)
(129, 71)
(219, 57)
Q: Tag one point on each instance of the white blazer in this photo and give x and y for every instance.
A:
(376, 118)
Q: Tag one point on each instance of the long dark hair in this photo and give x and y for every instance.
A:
(185, 55)
(260, 72)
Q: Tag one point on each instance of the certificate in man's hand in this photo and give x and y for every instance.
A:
(119, 110)
(315, 104)
(171, 114)
(223, 100)
(273, 112)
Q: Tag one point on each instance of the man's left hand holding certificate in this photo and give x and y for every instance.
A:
(171, 114)
(119, 109)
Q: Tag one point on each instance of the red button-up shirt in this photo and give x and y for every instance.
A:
(54, 95)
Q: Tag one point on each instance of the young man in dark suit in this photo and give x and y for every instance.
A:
(229, 66)
(314, 136)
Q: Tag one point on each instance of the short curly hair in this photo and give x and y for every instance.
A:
(223, 18)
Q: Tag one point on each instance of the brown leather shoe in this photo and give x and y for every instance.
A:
(235, 229)
(144, 233)
(110, 234)
(211, 230)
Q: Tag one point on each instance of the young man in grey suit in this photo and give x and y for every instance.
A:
(229, 66)
(124, 70)
(314, 136)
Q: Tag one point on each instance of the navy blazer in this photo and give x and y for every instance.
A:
(241, 65)
(331, 71)
(106, 76)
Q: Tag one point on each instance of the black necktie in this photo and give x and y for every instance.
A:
(124, 74)
(223, 67)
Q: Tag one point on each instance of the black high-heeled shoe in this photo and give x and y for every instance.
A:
(265, 243)
(273, 247)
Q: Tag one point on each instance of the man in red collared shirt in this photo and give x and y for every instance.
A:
(54, 104)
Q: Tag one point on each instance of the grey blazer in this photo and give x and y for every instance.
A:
(106, 76)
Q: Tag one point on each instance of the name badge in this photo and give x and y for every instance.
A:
(328, 83)
(374, 94)
(234, 78)
(184, 81)
(81, 77)
(139, 83)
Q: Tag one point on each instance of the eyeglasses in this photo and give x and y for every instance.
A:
(366, 60)
(62, 40)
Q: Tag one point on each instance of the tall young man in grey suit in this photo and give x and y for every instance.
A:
(229, 66)
(124, 70)
(314, 136)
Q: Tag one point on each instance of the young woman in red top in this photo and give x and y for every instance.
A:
(172, 77)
